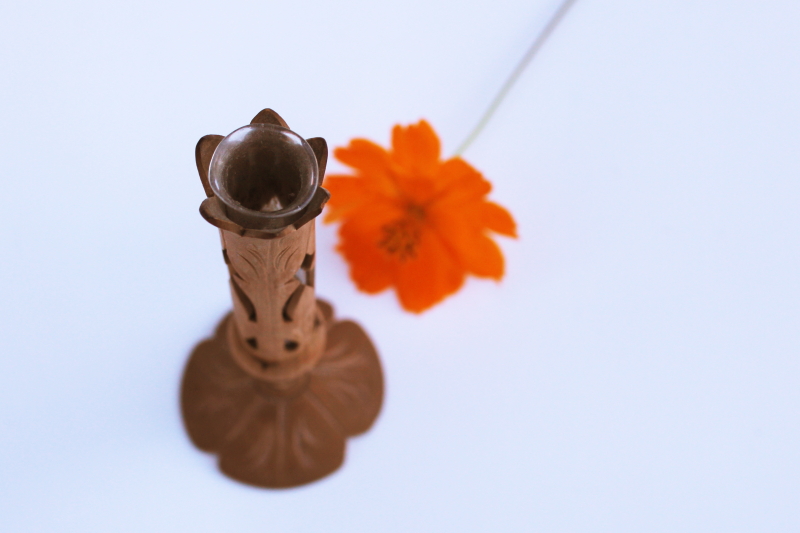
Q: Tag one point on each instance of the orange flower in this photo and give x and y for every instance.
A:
(412, 221)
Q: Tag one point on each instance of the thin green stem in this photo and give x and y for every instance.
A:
(537, 44)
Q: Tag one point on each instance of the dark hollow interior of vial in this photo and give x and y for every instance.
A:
(266, 179)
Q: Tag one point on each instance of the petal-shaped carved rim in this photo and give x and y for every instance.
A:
(227, 214)
(279, 439)
(212, 210)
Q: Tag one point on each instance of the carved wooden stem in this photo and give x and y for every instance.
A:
(276, 332)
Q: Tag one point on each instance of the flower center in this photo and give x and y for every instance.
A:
(401, 238)
(416, 212)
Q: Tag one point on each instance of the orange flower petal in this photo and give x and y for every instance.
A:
(370, 217)
(416, 148)
(460, 182)
(370, 268)
(349, 193)
(364, 155)
(371, 161)
(497, 219)
(483, 258)
(478, 254)
(346, 195)
(431, 276)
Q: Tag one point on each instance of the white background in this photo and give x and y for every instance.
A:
(636, 371)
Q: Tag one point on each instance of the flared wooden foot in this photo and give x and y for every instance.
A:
(288, 437)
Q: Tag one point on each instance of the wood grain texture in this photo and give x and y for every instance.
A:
(202, 156)
(320, 148)
(278, 328)
(213, 211)
(278, 439)
(268, 116)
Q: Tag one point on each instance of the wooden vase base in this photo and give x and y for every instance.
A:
(282, 437)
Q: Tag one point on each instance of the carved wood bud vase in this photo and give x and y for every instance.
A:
(281, 384)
